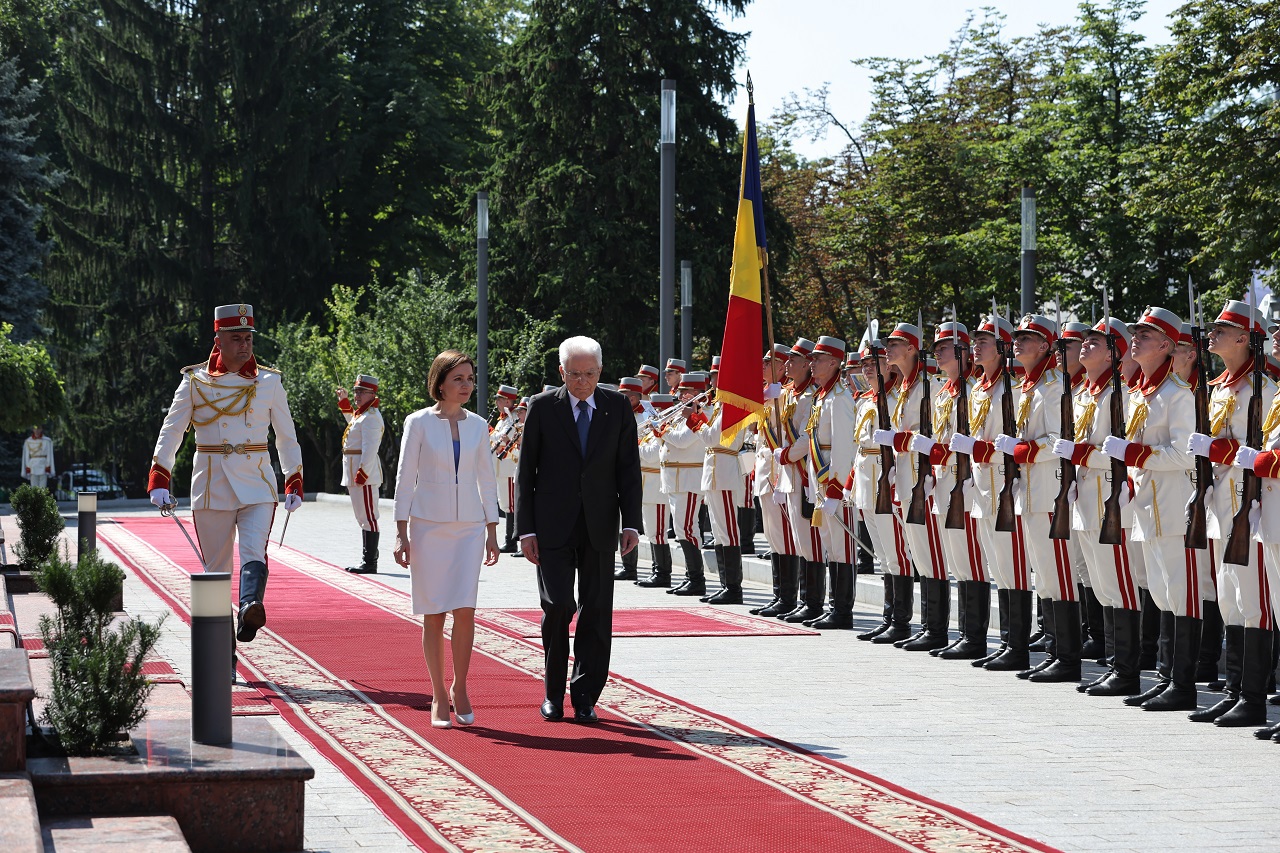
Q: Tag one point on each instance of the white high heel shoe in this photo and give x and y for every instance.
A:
(463, 719)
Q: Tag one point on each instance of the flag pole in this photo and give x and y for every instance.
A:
(764, 286)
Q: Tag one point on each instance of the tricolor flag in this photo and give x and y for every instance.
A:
(739, 387)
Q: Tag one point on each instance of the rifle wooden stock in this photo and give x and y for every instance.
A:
(1060, 527)
(1005, 522)
(919, 510)
(1111, 532)
(884, 493)
(1240, 540)
(1197, 535)
(955, 509)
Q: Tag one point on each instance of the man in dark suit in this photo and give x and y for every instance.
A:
(579, 473)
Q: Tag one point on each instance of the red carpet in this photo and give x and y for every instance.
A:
(344, 656)
(654, 622)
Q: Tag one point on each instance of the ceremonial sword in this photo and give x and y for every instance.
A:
(169, 510)
(284, 529)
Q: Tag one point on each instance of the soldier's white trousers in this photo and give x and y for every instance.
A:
(1112, 569)
(891, 544)
(218, 529)
(1006, 556)
(807, 537)
(778, 531)
(1051, 559)
(40, 480)
(1243, 591)
(924, 541)
(838, 543)
(1173, 575)
(507, 494)
(655, 523)
(962, 550)
(364, 503)
(722, 505)
(684, 515)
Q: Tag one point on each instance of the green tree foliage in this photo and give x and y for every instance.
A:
(574, 109)
(33, 391)
(39, 525)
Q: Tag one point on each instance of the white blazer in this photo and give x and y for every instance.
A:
(426, 486)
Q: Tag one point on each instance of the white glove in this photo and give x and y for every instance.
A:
(831, 506)
(160, 497)
(1065, 449)
(847, 494)
(883, 436)
(1255, 515)
(929, 482)
(773, 391)
(968, 489)
(1073, 492)
(779, 498)
(1245, 457)
(1006, 444)
(1199, 444)
(777, 454)
(961, 443)
(292, 502)
(922, 444)
(1115, 447)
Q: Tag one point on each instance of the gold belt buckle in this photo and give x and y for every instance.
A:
(228, 448)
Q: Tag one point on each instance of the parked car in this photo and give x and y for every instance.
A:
(82, 478)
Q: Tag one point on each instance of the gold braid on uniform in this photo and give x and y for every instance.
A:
(1024, 412)
(979, 408)
(900, 405)
(1272, 420)
(1222, 417)
(1084, 420)
(1137, 420)
(229, 406)
(942, 411)
(866, 418)
(813, 416)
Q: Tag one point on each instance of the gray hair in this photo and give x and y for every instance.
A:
(580, 345)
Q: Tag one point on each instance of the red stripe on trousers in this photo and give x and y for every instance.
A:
(690, 510)
(1019, 556)
(1128, 595)
(1062, 563)
(662, 524)
(368, 509)
(1264, 592)
(511, 494)
(975, 549)
(788, 538)
(730, 517)
(939, 569)
(1193, 584)
(815, 540)
(1213, 568)
(900, 546)
(848, 540)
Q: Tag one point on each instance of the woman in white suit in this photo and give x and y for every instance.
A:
(446, 510)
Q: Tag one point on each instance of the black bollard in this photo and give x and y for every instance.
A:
(87, 522)
(212, 637)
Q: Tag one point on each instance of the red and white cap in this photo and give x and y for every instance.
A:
(662, 401)
(695, 381)
(677, 364)
(1236, 313)
(990, 325)
(715, 364)
(1120, 330)
(1038, 324)
(1162, 320)
(828, 345)
(1185, 337)
(367, 382)
(1074, 331)
(950, 331)
(523, 404)
(233, 317)
(648, 370)
(780, 351)
(509, 393)
(908, 332)
(803, 347)
(631, 383)
(853, 359)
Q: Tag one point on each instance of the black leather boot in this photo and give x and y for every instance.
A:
(1095, 644)
(1002, 614)
(886, 612)
(802, 587)
(1109, 649)
(1124, 678)
(840, 615)
(1016, 656)
(788, 580)
(1251, 710)
(1067, 645)
(695, 581)
(1048, 627)
(251, 614)
(719, 552)
(660, 577)
(814, 593)
(1164, 656)
(1037, 642)
(937, 595)
(918, 581)
(1235, 668)
(773, 572)
(1150, 658)
(866, 565)
(747, 531)
(976, 598)
(730, 577)
(900, 627)
(368, 556)
(630, 564)
(1210, 643)
(1268, 732)
(510, 544)
(962, 612)
(1180, 695)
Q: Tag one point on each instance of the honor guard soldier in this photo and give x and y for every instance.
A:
(655, 500)
(770, 436)
(1006, 559)
(923, 539)
(500, 437)
(793, 481)
(1115, 569)
(681, 462)
(1242, 591)
(361, 467)
(231, 400)
(1160, 422)
(722, 489)
(674, 371)
(37, 458)
(631, 388)
(648, 375)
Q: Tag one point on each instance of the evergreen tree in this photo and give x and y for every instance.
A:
(574, 107)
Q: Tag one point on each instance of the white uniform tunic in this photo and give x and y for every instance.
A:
(361, 467)
(961, 547)
(722, 481)
(923, 540)
(1005, 550)
(830, 459)
(793, 479)
(37, 460)
(654, 502)
(681, 462)
(887, 536)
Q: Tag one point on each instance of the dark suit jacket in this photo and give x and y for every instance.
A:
(555, 482)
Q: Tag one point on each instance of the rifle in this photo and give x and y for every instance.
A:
(955, 509)
(1197, 533)
(917, 511)
(884, 495)
(1241, 537)
(1060, 527)
(1005, 522)
(1111, 532)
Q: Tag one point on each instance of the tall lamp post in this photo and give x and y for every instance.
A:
(667, 228)
(686, 311)
(1028, 250)
(482, 301)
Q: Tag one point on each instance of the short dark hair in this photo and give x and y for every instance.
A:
(443, 365)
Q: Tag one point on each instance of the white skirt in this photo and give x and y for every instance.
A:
(444, 564)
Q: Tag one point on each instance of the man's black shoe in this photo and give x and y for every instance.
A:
(551, 712)
(251, 617)
(585, 715)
